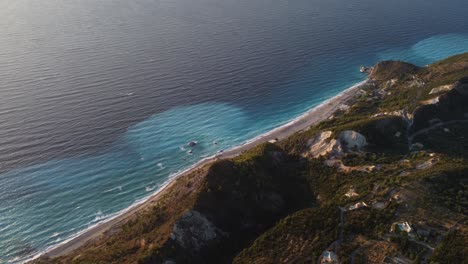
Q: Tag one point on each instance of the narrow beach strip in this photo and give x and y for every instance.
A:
(315, 115)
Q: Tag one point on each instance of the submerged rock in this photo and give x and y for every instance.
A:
(192, 143)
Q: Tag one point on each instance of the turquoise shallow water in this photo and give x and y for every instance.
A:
(76, 193)
(429, 50)
(103, 122)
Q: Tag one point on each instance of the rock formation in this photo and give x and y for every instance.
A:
(193, 231)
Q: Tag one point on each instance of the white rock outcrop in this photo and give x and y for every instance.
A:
(193, 231)
(352, 139)
(431, 101)
(441, 88)
(323, 145)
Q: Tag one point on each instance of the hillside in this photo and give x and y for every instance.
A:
(382, 181)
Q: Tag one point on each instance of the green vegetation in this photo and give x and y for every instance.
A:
(300, 238)
(370, 222)
(449, 188)
(388, 70)
(412, 250)
(451, 140)
(453, 249)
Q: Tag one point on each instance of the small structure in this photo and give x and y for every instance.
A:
(405, 226)
(396, 198)
(357, 206)
(351, 193)
(328, 257)
(402, 226)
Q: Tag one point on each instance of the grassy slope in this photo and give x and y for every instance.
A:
(236, 194)
(440, 192)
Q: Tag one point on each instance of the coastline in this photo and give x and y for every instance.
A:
(316, 114)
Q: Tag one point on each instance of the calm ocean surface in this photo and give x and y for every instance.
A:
(98, 98)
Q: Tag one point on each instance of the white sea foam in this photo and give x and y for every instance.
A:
(110, 217)
(151, 186)
(99, 216)
(160, 166)
(118, 188)
(54, 235)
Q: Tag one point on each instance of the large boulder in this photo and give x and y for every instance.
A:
(352, 139)
(193, 231)
(323, 145)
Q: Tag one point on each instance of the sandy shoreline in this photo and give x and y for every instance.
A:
(311, 117)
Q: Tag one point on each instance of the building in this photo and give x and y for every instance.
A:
(351, 193)
(328, 257)
(405, 226)
(402, 226)
(357, 206)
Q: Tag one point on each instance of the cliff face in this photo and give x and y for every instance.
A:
(332, 192)
(241, 198)
(452, 105)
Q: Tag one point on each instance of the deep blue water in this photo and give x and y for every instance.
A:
(98, 98)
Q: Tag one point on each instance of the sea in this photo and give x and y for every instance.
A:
(100, 98)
